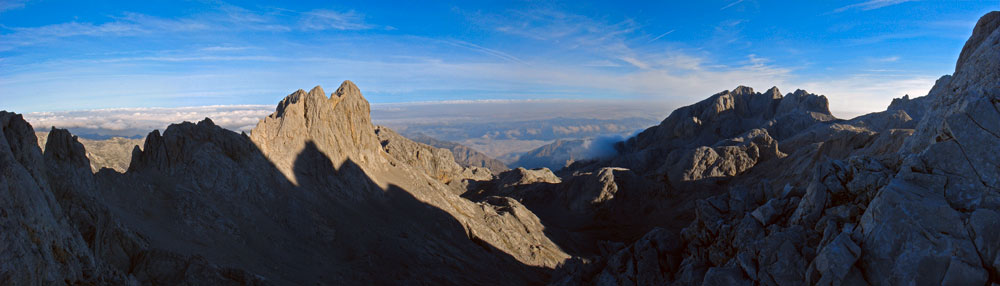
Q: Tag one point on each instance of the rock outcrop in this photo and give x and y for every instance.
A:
(946, 190)
(114, 153)
(435, 162)
(724, 159)
(464, 155)
(39, 246)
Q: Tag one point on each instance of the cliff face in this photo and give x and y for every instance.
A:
(339, 125)
(36, 232)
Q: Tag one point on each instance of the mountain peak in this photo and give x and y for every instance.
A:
(742, 90)
(349, 89)
(774, 92)
(317, 91)
(984, 28)
(340, 126)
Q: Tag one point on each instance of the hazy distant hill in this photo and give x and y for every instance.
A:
(500, 138)
(554, 156)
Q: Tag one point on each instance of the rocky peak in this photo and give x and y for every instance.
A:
(801, 100)
(522, 176)
(183, 141)
(317, 91)
(972, 87)
(340, 126)
(773, 93)
(984, 28)
(348, 89)
(742, 91)
(35, 231)
(65, 147)
(728, 114)
(21, 142)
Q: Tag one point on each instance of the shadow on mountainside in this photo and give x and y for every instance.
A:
(616, 214)
(200, 203)
(400, 240)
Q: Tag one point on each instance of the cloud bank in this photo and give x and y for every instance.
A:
(137, 122)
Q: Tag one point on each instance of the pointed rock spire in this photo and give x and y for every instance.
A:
(347, 88)
(773, 92)
(65, 147)
(317, 91)
(743, 90)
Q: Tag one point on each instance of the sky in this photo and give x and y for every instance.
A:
(59, 56)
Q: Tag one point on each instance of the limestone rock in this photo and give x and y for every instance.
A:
(436, 162)
(522, 176)
(36, 233)
(834, 264)
(725, 159)
(114, 153)
(650, 261)
(464, 155)
(339, 125)
(723, 116)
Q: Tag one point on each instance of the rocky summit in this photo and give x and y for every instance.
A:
(742, 188)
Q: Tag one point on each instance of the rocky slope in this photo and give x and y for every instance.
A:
(464, 155)
(437, 163)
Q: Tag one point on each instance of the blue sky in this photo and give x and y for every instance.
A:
(74, 55)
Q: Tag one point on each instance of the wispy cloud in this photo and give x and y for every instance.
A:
(731, 5)
(11, 4)
(870, 5)
(487, 51)
(888, 59)
(224, 18)
(635, 62)
(520, 54)
(333, 20)
(661, 36)
(566, 29)
(225, 48)
(130, 24)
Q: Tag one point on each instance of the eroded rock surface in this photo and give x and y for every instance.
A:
(464, 155)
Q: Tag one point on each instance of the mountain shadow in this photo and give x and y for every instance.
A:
(394, 238)
(203, 205)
